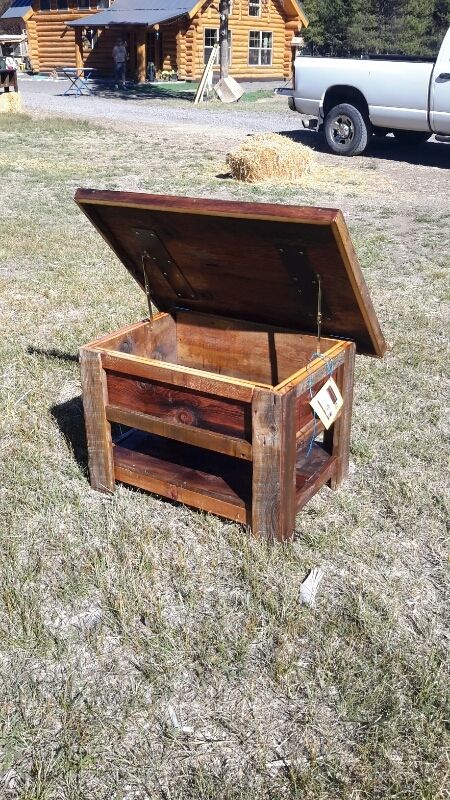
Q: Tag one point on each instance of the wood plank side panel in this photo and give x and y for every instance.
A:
(241, 349)
(337, 438)
(181, 494)
(144, 340)
(274, 454)
(206, 480)
(180, 406)
(180, 377)
(98, 429)
(312, 472)
(228, 445)
(315, 371)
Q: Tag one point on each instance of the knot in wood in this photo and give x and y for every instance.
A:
(126, 346)
(185, 415)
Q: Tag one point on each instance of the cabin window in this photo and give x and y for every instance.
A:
(260, 48)
(62, 5)
(254, 8)
(83, 4)
(211, 37)
(44, 5)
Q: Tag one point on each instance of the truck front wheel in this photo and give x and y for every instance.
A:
(346, 130)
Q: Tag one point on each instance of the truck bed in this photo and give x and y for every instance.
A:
(380, 57)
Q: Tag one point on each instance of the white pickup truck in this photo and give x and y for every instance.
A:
(349, 99)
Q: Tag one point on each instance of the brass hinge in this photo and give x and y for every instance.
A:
(319, 311)
(147, 288)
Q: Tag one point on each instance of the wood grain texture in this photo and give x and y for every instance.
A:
(312, 215)
(274, 453)
(315, 370)
(313, 470)
(337, 438)
(208, 481)
(252, 351)
(177, 376)
(98, 429)
(196, 409)
(180, 432)
(356, 278)
(232, 254)
(144, 340)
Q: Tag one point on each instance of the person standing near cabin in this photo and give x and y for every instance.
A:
(119, 55)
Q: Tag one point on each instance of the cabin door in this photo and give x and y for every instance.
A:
(154, 49)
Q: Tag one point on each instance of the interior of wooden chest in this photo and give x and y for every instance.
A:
(243, 350)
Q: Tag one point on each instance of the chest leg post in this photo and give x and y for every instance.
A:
(274, 454)
(337, 438)
(98, 429)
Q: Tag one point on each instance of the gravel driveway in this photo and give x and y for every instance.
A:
(420, 175)
(48, 97)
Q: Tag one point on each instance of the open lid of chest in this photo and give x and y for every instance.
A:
(250, 261)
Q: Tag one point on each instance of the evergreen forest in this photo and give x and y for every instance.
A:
(356, 27)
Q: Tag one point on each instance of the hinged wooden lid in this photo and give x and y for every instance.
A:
(249, 261)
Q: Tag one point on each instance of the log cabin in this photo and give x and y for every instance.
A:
(173, 35)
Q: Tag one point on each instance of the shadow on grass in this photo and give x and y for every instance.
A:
(52, 353)
(69, 418)
(387, 148)
(163, 91)
(146, 91)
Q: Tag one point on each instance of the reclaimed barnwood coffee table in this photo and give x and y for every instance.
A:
(214, 390)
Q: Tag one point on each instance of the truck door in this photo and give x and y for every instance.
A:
(440, 90)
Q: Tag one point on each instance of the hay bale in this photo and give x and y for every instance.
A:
(268, 156)
(10, 103)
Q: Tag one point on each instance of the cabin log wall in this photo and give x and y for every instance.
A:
(53, 44)
(240, 24)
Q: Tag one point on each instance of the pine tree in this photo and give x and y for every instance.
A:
(329, 25)
(439, 24)
(362, 32)
(313, 34)
(413, 35)
(384, 26)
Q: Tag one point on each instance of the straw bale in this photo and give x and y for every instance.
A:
(10, 103)
(269, 156)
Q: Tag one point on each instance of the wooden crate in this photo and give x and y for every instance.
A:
(214, 391)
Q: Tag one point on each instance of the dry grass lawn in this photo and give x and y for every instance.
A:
(149, 651)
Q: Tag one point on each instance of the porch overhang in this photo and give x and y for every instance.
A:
(19, 9)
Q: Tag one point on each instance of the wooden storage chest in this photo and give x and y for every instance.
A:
(214, 390)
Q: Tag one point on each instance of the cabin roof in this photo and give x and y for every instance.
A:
(136, 12)
(151, 12)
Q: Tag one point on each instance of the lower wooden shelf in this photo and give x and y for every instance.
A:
(209, 481)
(313, 470)
(206, 480)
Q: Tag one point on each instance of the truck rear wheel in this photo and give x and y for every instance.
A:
(412, 138)
(346, 130)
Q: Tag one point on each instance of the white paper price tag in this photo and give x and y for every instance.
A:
(327, 403)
